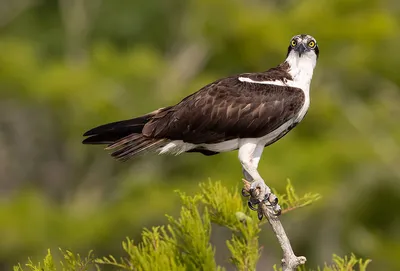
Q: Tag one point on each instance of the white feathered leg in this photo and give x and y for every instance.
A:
(249, 155)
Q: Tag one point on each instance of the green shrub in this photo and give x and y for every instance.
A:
(184, 243)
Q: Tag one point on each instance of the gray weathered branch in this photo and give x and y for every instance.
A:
(289, 261)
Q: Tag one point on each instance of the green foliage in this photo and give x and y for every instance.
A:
(191, 235)
(155, 252)
(339, 264)
(226, 209)
(184, 243)
(290, 200)
(70, 262)
(74, 262)
(346, 263)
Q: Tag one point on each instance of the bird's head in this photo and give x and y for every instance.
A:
(303, 46)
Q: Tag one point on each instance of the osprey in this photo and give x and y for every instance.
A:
(245, 112)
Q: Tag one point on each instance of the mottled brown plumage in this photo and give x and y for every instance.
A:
(223, 110)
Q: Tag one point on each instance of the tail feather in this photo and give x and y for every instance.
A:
(106, 137)
(123, 142)
(133, 149)
(125, 137)
(131, 125)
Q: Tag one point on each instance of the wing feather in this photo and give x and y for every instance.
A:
(227, 109)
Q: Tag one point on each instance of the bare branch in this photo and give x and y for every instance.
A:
(289, 261)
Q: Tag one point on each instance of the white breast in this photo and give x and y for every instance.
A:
(301, 70)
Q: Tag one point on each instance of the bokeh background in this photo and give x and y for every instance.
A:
(69, 65)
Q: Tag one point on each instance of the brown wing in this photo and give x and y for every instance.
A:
(227, 109)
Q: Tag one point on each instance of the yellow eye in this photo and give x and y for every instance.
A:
(294, 43)
(311, 44)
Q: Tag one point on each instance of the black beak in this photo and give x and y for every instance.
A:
(301, 48)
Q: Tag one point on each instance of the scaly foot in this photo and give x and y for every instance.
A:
(259, 192)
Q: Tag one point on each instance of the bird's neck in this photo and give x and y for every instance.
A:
(301, 70)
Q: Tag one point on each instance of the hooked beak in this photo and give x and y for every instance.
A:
(301, 48)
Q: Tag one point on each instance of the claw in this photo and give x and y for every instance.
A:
(254, 193)
(256, 190)
(278, 212)
(252, 202)
(251, 206)
(271, 198)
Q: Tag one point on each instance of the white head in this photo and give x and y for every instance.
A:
(302, 57)
(303, 49)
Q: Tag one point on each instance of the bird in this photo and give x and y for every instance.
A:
(244, 112)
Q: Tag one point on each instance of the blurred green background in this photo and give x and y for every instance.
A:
(69, 65)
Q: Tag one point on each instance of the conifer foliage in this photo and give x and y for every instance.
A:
(184, 243)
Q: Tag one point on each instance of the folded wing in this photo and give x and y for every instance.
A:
(227, 109)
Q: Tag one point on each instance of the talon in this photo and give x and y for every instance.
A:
(277, 210)
(245, 193)
(271, 198)
(260, 215)
(258, 193)
(254, 201)
(251, 206)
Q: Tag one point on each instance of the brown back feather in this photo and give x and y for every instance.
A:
(227, 109)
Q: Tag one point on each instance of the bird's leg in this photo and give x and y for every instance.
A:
(249, 156)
